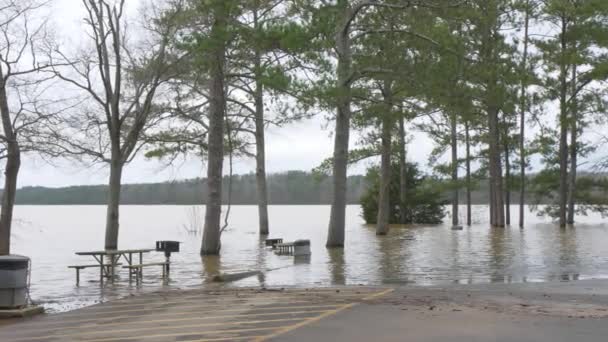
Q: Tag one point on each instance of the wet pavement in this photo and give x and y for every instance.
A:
(218, 315)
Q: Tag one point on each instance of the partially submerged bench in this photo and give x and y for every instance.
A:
(296, 248)
(137, 269)
(82, 267)
(273, 242)
(285, 248)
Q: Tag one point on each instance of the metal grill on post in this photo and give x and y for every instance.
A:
(168, 247)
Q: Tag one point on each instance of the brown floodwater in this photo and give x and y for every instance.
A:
(417, 254)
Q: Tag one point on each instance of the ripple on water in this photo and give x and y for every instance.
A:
(419, 254)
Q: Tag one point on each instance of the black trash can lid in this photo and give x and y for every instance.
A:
(13, 262)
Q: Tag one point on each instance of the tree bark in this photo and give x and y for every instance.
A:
(112, 211)
(563, 134)
(382, 223)
(402, 172)
(490, 59)
(454, 169)
(573, 150)
(217, 107)
(522, 119)
(260, 144)
(468, 170)
(508, 183)
(337, 219)
(11, 172)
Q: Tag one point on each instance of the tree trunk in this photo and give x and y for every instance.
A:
(489, 56)
(563, 134)
(454, 167)
(402, 172)
(507, 184)
(112, 211)
(522, 120)
(335, 235)
(468, 170)
(573, 150)
(382, 223)
(260, 157)
(217, 106)
(11, 171)
(498, 214)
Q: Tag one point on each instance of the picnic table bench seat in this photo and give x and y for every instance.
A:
(82, 267)
(137, 269)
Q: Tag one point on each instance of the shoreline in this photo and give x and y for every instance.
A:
(341, 313)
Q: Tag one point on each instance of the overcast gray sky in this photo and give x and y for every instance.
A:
(298, 146)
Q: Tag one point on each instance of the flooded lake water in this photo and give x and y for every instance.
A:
(421, 255)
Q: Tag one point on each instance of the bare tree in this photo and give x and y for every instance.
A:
(24, 110)
(120, 77)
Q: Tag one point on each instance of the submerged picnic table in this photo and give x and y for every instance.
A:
(114, 256)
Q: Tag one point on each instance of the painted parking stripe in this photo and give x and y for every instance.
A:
(220, 324)
(151, 301)
(274, 310)
(244, 305)
(97, 324)
(311, 320)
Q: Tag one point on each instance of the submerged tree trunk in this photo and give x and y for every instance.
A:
(454, 167)
(490, 60)
(217, 106)
(522, 119)
(382, 223)
(335, 234)
(112, 211)
(507, 184)
(496, 184)
(402, 172)
(11, 171)
(468, 169)
(563, 133)
(573, 150)
(260, 157)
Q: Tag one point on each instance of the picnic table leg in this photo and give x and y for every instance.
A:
(130, 261)
(112, 261)
(101, 270)
(141, 261)
(77, 276)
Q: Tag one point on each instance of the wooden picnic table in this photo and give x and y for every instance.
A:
(114, 256)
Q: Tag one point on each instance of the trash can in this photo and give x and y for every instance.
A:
(13, 281)
(301, 247)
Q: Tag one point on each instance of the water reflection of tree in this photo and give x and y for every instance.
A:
(337, 266)
(569, 262)
(261, 260)
(499, 257)
(211, 266)
(394, 257)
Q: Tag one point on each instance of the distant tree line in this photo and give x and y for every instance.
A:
(292, 187)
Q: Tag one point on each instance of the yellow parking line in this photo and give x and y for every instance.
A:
(98, 324)
(318, 318)
(205, 311)
(158, 303)
(222, 339)
(303, 323)
(234, 331)
(152, 301)
(379, 294)
(155, 308)
(220, 324)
